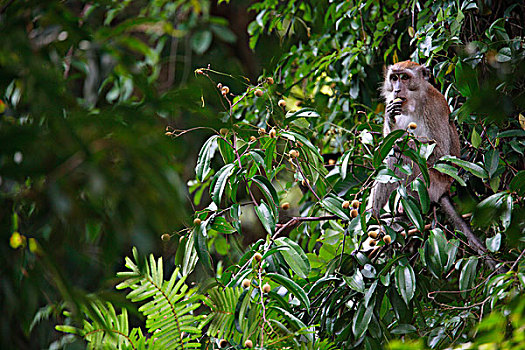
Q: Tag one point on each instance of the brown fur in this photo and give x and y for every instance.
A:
(427, 107)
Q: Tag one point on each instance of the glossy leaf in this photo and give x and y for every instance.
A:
(450, 171)
(355, 282)
(203, 161)
(491, 161)
(494, 243)
(220, 224)
(294, 256)
(467, 276)
(419, 186)
(405, 282)
(200, 244)
(219, 182)
(292, 287)
(470, 167)
(413, 212)
(334, 206)
(266, 216)
(386, 146)
(361, 320)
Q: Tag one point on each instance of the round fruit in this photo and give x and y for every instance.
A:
(257, 256)
(225, 90)
(372, 234)
(282, 103)
(261, 131)
(246, 283)
(354, 213)
(253, 139)
(412, 126)
(305, 183)
(372, 243)
(346, 205)
(258, 93)
(285, 206)
(294, 154)
(355, 204)
(219, 86)
(269, 80)
(397, 100)
(224, 131)
(272, 133)
(197, 221)
(165, 237)
(223, 343)
(331, 161)
(266, 288)
(387, 239)
(248, 344)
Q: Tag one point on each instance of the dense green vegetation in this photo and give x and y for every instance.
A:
(222, 139)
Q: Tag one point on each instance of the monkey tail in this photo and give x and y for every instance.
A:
(473, 241)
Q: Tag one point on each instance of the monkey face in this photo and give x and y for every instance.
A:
(405, 80)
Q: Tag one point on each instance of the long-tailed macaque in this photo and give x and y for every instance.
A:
(410, 99)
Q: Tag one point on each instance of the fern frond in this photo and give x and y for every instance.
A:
(111, 333)
(169, 311)
(222, 302)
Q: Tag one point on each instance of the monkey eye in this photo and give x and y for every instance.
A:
(404, 76)
(393, 77)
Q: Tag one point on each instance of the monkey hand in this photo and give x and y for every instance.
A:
(393, 109)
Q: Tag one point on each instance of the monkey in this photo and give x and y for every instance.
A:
(409, 99)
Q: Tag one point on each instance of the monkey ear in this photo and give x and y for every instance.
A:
(425, 72)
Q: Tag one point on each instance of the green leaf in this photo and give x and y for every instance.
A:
(265, 214)
(419, 186)
(450, 171)
(369, 293)
(201, 41)
(517, 184)
(435, 252)
(467, 276)
(219, 182)
(403, 329)
(220, 224)
(405, 282)
(466, 79)
(414, 214)
(355, 282)
(344, 164)
(268, 191)
(470, 167)
(386, 146)
(494, 243)
(269, 154)
(228, 156)
(292, 287)
(295, 256)
(504, 55)
(475, 139)
(203, 161)
(361, 320)
(302, 113)
(200, 244)
(296, 137)
(491, 161)
(334, 206)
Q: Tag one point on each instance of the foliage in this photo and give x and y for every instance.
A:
(281, 260)
(169, 312)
